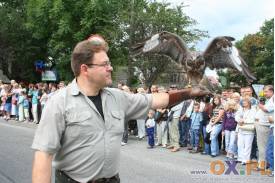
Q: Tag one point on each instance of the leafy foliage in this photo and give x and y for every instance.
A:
(36, 29)
(258, 51)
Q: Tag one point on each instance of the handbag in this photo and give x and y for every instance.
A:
(209, 128)
(248, 123)
(247, 127)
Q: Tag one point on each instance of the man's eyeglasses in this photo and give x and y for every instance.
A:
(105, 64)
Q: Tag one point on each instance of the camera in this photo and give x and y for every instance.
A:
(262, 100)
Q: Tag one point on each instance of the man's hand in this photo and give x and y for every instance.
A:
(270, 119)
(177, 96)
(183, 117)
(261, 106)
(241, 123)
(199, 91)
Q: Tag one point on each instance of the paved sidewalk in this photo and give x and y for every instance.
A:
(19, 123)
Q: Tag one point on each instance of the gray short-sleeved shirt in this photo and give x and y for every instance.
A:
(84, 145)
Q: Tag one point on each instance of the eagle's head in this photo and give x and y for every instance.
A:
(195, 62)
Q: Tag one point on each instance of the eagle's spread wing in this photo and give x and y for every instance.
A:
(220, 53)
(164, 43)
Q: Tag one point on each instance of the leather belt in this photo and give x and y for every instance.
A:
(64, 178)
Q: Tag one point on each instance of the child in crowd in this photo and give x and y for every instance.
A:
(150, 124)
(35, 103)
(229, 127)
(43, 99)
(20, 105)
(196, 120)
(26, 106)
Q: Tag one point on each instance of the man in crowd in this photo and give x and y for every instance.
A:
(174, 125)
(154, 89)
(120, 85)
(263, 125)
(82, 125)
(184, 123)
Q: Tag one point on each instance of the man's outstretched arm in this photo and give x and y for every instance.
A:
(172, 98)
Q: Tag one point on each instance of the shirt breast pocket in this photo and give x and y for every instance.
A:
(117, 121)
(79, 124)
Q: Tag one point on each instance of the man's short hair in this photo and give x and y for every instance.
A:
(84, 51)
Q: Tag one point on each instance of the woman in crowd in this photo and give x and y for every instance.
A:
(35, 100)
(236, 97)
(216, 123)
(245, 117)
(15, 96)
(206, 114)
(228, 128)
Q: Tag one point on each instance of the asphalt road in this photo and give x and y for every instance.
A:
(138, 164)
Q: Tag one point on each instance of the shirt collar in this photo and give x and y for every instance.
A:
(74, 88)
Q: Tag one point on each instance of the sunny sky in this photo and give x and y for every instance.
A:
(235, 18)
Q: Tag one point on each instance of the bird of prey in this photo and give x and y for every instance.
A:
(219, 54)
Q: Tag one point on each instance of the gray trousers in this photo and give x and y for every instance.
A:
(174, 132)
(141, 127)
(262, 137)
(162, 133)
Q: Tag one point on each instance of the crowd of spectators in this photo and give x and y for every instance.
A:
(232, 123)
(25, 102)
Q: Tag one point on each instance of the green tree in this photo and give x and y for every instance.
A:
(16, 45)
(258, 51)
(62, 23)
(37, 29)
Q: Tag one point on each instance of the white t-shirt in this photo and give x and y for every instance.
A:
(248, 116)
(150, 123)
(262, 116)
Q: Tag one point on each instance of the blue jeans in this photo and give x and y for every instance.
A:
(184, 127)
(270, 150)
(230, 141)
(206, 145)
(151, 139)
(217, 128)
(195, 137)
